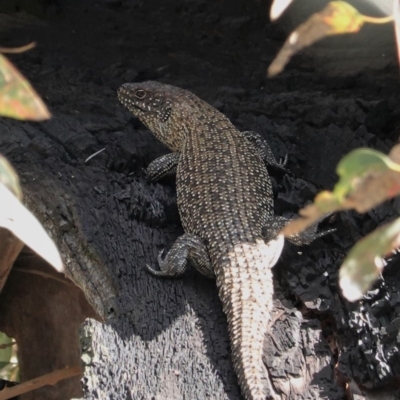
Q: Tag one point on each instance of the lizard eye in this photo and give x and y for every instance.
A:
(140, 94)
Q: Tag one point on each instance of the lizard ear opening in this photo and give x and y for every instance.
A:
(166, 114)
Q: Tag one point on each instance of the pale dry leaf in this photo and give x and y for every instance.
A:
(394, 154)
(278, 7)
(396, 14)
(16, 218)
(364, 263)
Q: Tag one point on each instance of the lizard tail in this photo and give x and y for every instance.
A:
(246, 291)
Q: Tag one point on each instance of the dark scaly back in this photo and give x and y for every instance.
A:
(224, 196)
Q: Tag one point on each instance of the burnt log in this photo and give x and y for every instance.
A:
(143, 338)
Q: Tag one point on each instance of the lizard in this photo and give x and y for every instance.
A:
(225, 202)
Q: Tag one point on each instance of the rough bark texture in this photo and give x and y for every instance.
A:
(169, 338)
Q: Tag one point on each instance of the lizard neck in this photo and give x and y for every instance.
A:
(192, 118)
(170, 132)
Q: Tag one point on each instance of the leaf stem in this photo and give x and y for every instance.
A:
(20, 49)
(378, 20)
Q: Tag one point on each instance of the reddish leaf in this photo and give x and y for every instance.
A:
(17, 97)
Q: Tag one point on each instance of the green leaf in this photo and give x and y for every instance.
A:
(366, 179)
(364, 262)
(5, 353)
(358, 164)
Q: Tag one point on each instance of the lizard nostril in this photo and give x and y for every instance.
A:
(123, 88)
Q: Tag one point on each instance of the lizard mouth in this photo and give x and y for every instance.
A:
(126, 101)
(130, 105)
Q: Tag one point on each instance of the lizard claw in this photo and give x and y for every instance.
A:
(282, 163)
(162, 263)
(327, 232)
(157, 272)
(152, 270)
(147, 175)
(161, 259)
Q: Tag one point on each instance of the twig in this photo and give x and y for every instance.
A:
(378, 20)
(20, 49)
(5, 345)
(48, 379)
(94, 155)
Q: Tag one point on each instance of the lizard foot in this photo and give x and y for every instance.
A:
(165, 269)
(186, 248)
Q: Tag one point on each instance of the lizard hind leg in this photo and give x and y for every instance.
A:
(264, 150)
(277, 223)
(186, 247)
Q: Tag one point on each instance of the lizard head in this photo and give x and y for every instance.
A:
(160, 108)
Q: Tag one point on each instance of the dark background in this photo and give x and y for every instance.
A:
(169, 340)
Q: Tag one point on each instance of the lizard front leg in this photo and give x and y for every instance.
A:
(186, 247)
(276, 224)
(263, 149)
(162, 166)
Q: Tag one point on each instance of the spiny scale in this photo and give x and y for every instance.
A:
(224, 199)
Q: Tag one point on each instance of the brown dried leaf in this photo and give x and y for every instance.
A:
(337, 17)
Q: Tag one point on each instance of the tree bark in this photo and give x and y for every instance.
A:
(139, 337)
